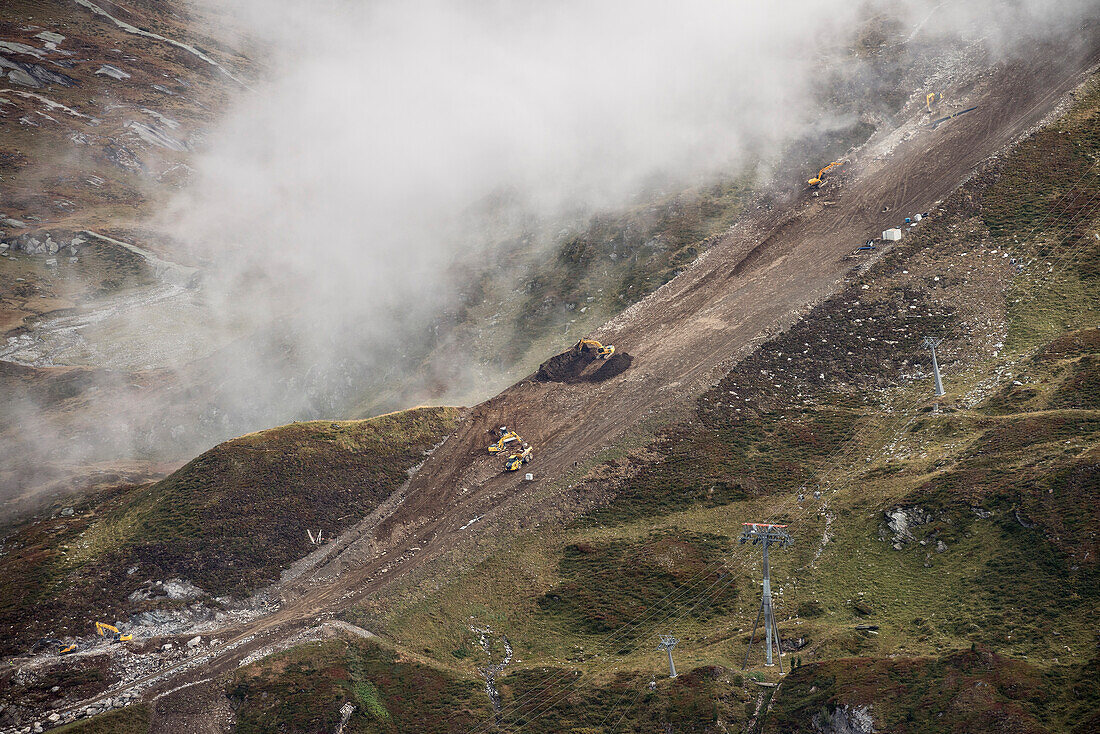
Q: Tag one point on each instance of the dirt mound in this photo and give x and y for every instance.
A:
(572, 367)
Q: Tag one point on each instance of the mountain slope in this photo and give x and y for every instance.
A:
(227, 523)
(774, 379)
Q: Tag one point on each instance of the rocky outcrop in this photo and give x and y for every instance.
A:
(901, 521)
(176, 589)
(44, 243)
(845, 719)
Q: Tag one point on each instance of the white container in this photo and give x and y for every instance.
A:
(892, 235)
(917, 217)
(529, 477)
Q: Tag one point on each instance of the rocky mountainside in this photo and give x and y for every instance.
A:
(776, 372)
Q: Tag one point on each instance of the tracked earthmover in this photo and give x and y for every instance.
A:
(111, 632)
(515, 461)
(816, 180)
(602, 351)
(61, 647)
(506, 437)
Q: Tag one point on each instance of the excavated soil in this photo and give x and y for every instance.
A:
(572, 367)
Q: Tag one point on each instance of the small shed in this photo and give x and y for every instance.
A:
(892, 235)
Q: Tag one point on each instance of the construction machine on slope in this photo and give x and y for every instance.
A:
(62, 648)
(602, 351)
(111, 632)
(506, 437)
(515, 461)
(928, 100)
(816, 180)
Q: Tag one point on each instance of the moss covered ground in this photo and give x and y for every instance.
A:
(229, 521)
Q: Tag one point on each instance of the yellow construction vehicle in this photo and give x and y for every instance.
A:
(62, 648)
(111, 632)
(816, 180)
(515, 461)
(506, 437)
(928, 100)
(602, 352)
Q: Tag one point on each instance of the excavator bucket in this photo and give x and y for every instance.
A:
(68, 649)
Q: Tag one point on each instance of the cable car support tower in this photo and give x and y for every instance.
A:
(765, 535)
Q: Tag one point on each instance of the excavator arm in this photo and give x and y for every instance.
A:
(111, 632)
(816, 180)
(506, 437)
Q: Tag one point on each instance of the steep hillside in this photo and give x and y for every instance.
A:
(223, 525)
(922, 528)
(781, 377)
(303, 690)
(91, 281)
(966, 691)
(99, 115)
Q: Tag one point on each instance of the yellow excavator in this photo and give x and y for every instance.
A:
(515, 461)
(928, 100)
(816, 180)
(111, 632)
(506, 437)
(602, 352)
(62, 648)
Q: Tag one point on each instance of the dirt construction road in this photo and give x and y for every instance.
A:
(682, 338)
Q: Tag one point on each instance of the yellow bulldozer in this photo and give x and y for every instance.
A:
(602, 351)
(506, 437)
(111, 632)
(816, 180)
(515, 461)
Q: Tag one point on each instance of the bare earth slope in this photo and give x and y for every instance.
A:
(750, 285)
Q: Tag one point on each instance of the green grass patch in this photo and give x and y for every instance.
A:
(134, 719)
(607, 585)
(968, 691)
(229, 521)
(303, 689)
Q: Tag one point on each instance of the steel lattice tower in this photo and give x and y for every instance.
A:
(667, 643)
(765, 535)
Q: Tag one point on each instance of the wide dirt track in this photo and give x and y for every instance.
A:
(682, 338)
